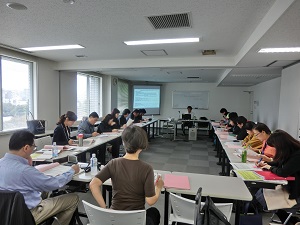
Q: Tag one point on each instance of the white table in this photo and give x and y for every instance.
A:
(214, 186)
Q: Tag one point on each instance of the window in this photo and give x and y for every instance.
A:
(123, 94)
(16, 78)
(88, 95)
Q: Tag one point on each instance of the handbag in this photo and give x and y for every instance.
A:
(247, 219)
(36, 126)
(209, 214)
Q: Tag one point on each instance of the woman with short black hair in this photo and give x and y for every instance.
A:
(132, 179)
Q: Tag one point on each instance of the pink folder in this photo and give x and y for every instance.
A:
(178, 182)
(268, 175)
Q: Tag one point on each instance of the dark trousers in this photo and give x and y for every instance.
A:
(152, 216)
(186, 124)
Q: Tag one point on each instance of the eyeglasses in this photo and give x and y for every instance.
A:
(34, 147)
(257, 134)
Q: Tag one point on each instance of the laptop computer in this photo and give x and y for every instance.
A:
(186, 116)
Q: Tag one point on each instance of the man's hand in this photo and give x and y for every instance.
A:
(94, 134)
(76, 168)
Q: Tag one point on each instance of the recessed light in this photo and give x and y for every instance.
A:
(162, 41)
(279, 50)
(16, 6)
(47, 48)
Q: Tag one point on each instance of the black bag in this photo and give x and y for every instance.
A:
(209, 214)
(246, 219)
(36, 126)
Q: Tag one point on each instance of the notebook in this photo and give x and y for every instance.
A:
(268, 175)
(178, 182)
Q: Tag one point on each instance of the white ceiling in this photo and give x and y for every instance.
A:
(236, 29)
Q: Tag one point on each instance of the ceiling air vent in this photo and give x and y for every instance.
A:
(181, 20)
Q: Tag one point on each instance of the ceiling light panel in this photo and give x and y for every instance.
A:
(48, 48)
(162, 41)
(279, 50)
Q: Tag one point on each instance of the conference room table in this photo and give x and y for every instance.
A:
(92, 143)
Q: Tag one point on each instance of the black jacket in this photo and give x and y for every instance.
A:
(242, 134)
(104, 128)
(290, 167)
(61, 135)
(13, 210)
(122, 120)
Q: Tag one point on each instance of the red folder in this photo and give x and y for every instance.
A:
(178, 182)
(268, 175)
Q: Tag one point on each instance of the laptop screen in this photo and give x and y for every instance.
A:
(186, 116)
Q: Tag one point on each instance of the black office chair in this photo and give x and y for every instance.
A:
(13, 209)
(286, 216)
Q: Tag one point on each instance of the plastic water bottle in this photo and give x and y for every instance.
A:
(54, 150)
(152, 117)
(94, 164)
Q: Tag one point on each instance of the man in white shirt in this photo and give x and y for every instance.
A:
(188, 124)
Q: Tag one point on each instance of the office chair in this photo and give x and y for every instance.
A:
(41, 142)
(184, 209)
(101, 216)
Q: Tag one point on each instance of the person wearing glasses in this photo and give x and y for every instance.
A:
(18, 175)
(62, 132)
(251, 141)
(132, 179)
(262, 132)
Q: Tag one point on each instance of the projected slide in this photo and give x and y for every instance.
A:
(147, 97)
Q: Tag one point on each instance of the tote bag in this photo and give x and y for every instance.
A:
(209, 214)
(36, 126)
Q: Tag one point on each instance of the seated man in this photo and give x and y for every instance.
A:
(188, 124)
(123, 118)
(17, 174)
(87, 127)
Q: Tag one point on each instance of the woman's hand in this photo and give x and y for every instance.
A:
(260, 164)
(124, 126)
(113, 123)
(114, 130)
(266, 167)
(70, 142)
(159, 182)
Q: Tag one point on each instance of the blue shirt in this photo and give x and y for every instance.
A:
(17, 175)
(86, 129)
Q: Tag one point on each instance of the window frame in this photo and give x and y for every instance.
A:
(32, 99)
(88, 88)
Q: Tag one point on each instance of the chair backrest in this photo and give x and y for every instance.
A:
(41, 142)
(101, 216)
(13, 209)
(184, 209)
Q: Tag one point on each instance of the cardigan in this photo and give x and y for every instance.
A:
(61, 135)
(290, 167)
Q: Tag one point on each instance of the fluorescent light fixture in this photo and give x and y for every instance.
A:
(279, 50)
(47, 48)
(162, 41)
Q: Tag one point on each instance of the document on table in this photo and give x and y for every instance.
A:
(248, 175)
(244, 166)
(178, 182)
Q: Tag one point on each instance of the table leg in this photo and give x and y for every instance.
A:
(237, 212)
(166, 216)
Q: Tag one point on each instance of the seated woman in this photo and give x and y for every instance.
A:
(62, 132)
(241, 122)
(107, 125)
(232, 124)
(132, 179)
(115, 113)
(251, 140)
(286, 163)
(262, 132)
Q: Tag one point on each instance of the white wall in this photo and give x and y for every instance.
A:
(288, 118)
(266, 102)
(47, 91)
(234, 99)
(68, 92)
